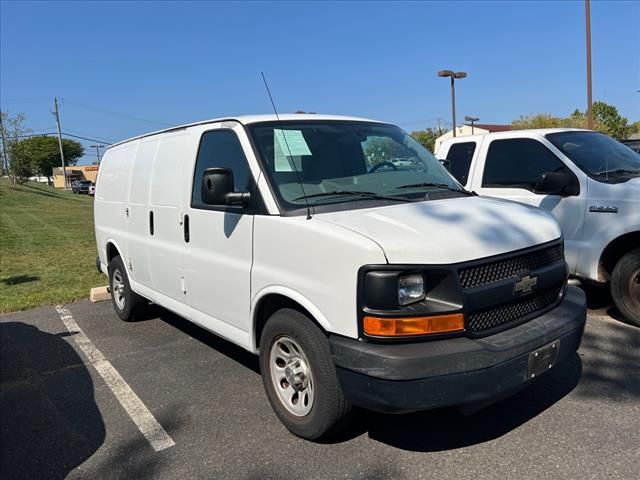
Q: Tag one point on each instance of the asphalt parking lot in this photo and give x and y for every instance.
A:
(61, 417)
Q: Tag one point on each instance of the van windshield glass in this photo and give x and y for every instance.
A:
(327, 162)
(597, 154)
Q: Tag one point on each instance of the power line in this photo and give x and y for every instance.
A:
(77, 132)
(109, 112)
(85, 138)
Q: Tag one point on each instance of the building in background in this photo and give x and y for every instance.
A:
(466, 129)
(76, 172)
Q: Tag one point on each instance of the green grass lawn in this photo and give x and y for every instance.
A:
(47, 246)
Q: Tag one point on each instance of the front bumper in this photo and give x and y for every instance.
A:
(456, 371)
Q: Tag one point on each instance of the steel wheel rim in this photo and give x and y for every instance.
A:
(291, 376)
(117, 287)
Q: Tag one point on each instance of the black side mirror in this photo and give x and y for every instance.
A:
(217, 188)
(557, 183)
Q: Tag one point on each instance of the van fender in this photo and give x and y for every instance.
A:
(104, 251)
(297, 297)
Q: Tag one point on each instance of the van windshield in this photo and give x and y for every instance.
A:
(597, 154)
(330, 162)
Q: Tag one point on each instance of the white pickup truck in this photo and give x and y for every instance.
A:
(587, 180)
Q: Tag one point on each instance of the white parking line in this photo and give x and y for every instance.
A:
(139, 413)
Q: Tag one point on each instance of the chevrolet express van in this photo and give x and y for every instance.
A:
(344, 254)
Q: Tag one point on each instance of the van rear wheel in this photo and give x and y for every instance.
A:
(625, 286)
(300, 377)
(124, 300)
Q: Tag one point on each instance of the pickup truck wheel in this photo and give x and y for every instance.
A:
(299, 376)
(124, 299)
(625, 286)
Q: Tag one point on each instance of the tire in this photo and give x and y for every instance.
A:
(625, 286)
(321, 409)
(124, 300)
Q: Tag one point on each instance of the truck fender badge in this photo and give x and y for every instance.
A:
(603, 209)
(525, 285)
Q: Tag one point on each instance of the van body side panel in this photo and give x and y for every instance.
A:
(316, 259)
(110, 207)
(166, 200)
(138, 229)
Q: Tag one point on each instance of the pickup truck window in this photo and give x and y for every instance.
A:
(518, 163)
(459, 157)
(598, 155)
(333, 162)
(220, 148)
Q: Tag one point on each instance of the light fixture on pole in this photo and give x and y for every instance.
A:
(98, 147)
(467, 118)
(453, 75)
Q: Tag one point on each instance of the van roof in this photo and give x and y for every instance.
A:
(249, 119)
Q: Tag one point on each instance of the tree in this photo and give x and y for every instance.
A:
(606, 119)
(44, 153)
(19, 168)
(427, 137)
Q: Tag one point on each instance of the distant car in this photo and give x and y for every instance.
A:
(92, 190)
(81, 186)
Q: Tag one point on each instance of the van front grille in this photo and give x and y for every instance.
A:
(499, 315)
(479, 275)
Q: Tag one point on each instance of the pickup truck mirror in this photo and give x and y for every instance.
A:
(217, 188)
(557, 183)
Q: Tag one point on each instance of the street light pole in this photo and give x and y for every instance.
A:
(472, 120)
(97, 147)
(453, 75)
(587, 11)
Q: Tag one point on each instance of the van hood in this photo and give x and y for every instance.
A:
(449, 230)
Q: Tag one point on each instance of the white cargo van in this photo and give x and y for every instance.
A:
(587, 180)
(357, 278)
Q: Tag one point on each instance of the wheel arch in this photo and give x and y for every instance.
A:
(112, 250)
(270, 300)
(614, 251)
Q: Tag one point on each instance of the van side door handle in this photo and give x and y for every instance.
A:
(151, 222)
(185, 226)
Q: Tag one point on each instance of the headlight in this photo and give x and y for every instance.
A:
(410, 289)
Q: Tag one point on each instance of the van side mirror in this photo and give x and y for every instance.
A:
(217, 188)
(557, 183)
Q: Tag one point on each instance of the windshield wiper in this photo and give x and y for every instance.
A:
(438, 185)
(337, 193)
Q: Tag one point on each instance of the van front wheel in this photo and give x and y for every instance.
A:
(625, 286)
(124, 299)
(299, 376)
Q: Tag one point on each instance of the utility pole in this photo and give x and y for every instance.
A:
(587, 11)
(4, 147)
(57, 115)
(467, 118)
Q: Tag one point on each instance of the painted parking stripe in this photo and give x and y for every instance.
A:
(139, 413)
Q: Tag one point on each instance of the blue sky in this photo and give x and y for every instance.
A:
(173, 63)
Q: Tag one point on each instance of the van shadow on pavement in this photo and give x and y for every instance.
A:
(50, 420)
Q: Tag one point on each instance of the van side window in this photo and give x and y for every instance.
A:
(220, 148)
(518, 163)
(460, 156)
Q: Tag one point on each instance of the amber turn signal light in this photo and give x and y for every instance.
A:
(400, 327)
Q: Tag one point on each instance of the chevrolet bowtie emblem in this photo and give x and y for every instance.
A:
(525, 285)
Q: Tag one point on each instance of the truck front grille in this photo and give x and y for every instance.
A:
(476, 276)
(499, 315)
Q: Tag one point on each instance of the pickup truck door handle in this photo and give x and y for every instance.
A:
(185, 226)
(151, 222)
